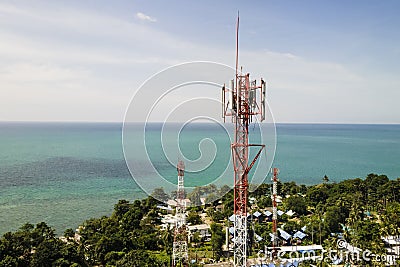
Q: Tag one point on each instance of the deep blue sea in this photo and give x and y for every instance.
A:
(65, 173)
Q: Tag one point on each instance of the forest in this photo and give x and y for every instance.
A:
(361, 211)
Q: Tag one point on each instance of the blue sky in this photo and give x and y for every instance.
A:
(326, 61)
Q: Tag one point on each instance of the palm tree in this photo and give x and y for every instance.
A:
(196, 239)
(343, 203)
(320, 212)
(312, 225)
(167, 238)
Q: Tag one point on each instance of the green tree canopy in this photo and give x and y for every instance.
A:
(217, 240)
(296, 203)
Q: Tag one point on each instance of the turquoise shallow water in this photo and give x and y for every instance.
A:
(64, 173)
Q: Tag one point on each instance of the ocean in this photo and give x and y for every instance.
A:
(65, 173)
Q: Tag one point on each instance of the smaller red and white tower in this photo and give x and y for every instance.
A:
(275, 208)
(180, 248)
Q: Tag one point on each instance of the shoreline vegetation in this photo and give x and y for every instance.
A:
(364, 212)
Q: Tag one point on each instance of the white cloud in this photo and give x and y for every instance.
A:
(73, 51)
(145, 17)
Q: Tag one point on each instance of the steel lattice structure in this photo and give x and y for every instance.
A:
(244, 101)
(180, 246)
(275, 208)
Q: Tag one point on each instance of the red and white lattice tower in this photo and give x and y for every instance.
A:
(180, 246)
(275, 209)
(244, 102)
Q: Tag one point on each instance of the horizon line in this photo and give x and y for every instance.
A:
(158, 122)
